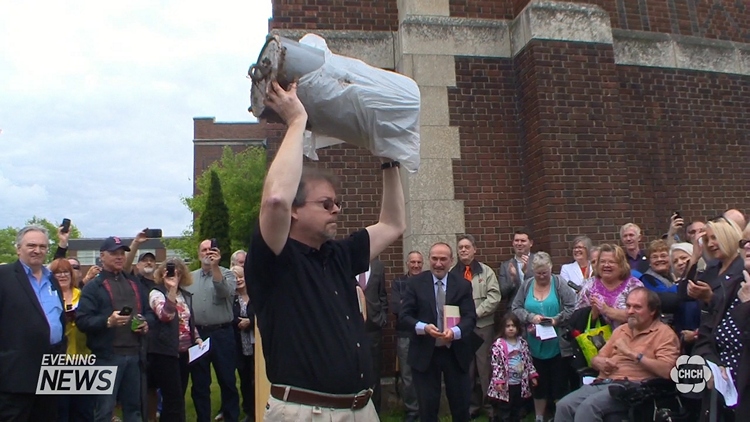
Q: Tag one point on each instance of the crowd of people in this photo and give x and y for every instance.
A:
(140, 318)
(493, 339)
(685, 293)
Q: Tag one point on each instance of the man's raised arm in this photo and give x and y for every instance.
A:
(392, 223)
(285, 172)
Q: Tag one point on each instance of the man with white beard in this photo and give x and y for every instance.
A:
(213, 296)
(146, 265)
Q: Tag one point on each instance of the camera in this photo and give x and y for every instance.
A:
(153, 233)
(65, 225)
(170, 269)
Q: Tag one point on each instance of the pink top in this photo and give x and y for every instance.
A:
(614, 298)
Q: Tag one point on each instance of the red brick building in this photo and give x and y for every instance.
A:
(567, 118)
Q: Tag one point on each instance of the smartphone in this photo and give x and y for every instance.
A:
(214, 243)
(677, 215)
(574, 286)
(65, 225)
(126, 310)
(170, 269)
(546, 321)
(98, 262)
(153, 233)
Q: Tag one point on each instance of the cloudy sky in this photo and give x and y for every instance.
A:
(97, 100)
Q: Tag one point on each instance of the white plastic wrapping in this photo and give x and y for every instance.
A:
(349, 101)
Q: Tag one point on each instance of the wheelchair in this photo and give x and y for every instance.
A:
(649, 400)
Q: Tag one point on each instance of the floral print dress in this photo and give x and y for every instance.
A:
(503, 370)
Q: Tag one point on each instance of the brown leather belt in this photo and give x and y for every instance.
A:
(313, 398)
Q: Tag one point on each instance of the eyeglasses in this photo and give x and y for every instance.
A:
(743, 243)
(63, 273)
(327, 203)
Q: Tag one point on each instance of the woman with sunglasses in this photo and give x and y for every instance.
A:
(710, 288)
(73, 407)
(724, 340)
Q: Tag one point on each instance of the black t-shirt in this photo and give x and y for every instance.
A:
(308, 313)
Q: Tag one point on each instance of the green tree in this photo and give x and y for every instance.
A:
(241, 176)
(8, 245)
(8, 238)
(214, 220)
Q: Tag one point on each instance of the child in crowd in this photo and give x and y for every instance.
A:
(512, 371)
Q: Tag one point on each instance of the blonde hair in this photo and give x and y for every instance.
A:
(186, 278)
(620, 258)
(630, 226)
(728, 235)
(236, 268)
(541, 260)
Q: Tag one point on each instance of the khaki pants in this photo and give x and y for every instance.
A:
(281, 411)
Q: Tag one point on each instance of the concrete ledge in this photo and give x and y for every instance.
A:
(548, 20)
(423, 8)
(434, 35)
(429, 70)
(651, 49)
(376, 48)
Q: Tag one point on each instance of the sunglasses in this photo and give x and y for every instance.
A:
(76, 267)
(327, 203)
(743, 243)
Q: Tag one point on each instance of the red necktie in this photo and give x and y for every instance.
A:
(363, 281)
(467, 274)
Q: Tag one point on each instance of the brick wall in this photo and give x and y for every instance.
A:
(484, 9)
(354, 15)
(486, 177)
(569, 114)
(688, 136)
(715, 19)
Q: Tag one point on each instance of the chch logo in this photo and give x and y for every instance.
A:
(690, 374)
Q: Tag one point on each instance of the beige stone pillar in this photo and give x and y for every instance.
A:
(433, 213)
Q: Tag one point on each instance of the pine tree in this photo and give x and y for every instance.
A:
(214, 220)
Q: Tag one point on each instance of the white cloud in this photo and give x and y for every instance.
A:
(97, 101)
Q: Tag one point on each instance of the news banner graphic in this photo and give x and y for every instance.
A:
(75, 374)
(690, 374)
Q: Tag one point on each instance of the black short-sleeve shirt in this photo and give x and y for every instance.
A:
(308, 313)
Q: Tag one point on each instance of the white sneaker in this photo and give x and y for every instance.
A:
(219, 417)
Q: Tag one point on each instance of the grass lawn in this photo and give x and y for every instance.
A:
(215, 398)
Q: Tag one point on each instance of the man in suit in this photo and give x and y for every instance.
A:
(514, 271)
(486, 296)
(32, 324)
(414, 262)
(372, 283)
(438, 350)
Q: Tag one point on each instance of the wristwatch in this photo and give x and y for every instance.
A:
(639, 357)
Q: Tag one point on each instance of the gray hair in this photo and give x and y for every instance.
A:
(541, 260)
(468, 237)
(235, 255)
(31, 228)
(582, 239)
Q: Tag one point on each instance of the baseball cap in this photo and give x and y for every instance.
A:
(145, 255)
(113, 243)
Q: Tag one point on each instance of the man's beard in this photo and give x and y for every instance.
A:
(206, 261)
(147, 270)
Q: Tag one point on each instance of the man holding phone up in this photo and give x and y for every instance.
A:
(213, 297)
(105, 313)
